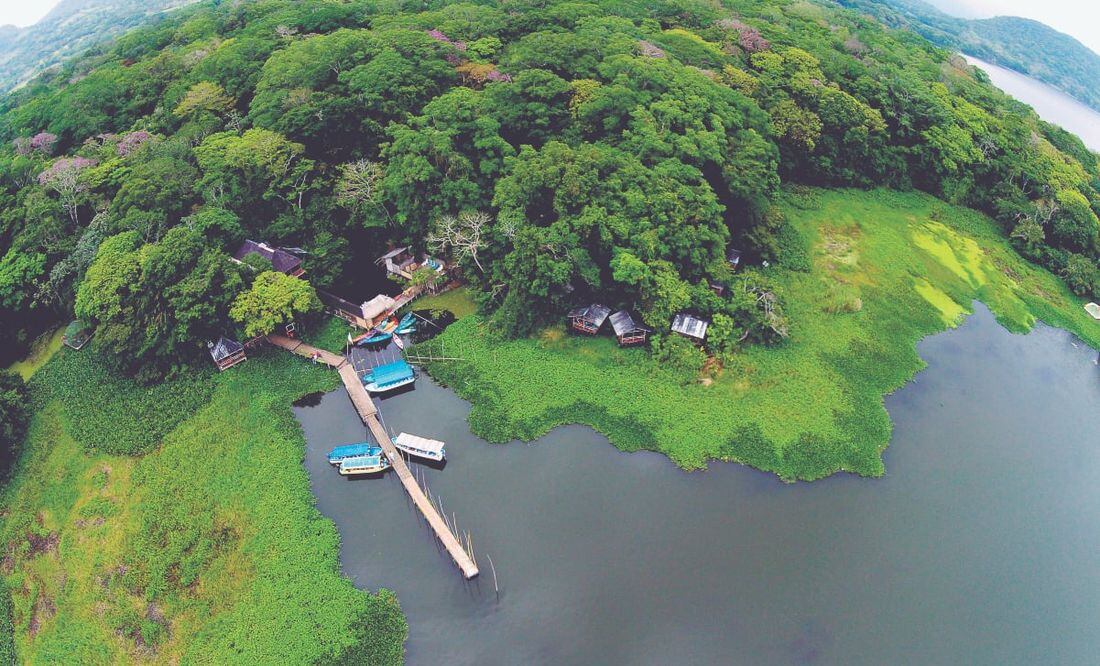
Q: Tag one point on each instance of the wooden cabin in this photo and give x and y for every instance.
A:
(589, 319)
(226, 353)
(690, 326)
(627, 329)
(280, 259)
(400, 261)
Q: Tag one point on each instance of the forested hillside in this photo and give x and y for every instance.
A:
(70, 28)
(612, 149)
(1024, 45)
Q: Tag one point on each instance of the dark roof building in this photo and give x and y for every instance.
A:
(280, 259)
(627, 329)
(690, 326)
(226, 353)
(589, 319)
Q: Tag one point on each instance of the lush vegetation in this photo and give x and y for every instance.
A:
(559, 152)
(207, 549)
(883, 270)
(14, 414)
(1017, 43)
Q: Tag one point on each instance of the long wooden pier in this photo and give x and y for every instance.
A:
(369, 414)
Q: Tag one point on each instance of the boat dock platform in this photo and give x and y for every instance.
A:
(369, 414)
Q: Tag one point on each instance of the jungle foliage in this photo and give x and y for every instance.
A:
(560, 152)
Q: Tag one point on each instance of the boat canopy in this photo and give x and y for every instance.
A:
(433, 447)
(350, 450)
(390, 373)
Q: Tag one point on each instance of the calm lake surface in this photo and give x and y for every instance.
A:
(980, 545)
(1052, 105)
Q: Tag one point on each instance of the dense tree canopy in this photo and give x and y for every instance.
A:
(559, 151)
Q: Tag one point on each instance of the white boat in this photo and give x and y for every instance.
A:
(364, 465)
(421, 447)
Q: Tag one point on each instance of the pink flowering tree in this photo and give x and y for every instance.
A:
(748, 37)
(438, 36)
(43, 142)
(64, 177)
(128, 143)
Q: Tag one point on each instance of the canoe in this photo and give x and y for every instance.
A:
(351, 451)
(374, 338)
(399, 342)
(364, 465)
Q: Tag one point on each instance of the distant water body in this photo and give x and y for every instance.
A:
(1052, 105)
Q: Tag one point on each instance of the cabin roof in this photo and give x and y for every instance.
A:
(417, 442)
(280, 259)
(690, 325)
(623, 324)
(733, 256)
(392, 253)
(594, 313)
(223, 348)
(377, 306)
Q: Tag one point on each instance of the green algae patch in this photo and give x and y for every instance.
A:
(886, 269)
(951, 311)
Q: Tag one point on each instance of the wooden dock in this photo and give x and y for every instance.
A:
(369, 414)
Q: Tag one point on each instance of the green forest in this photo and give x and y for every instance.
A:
(559, 153)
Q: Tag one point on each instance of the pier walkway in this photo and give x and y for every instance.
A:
(369, 414)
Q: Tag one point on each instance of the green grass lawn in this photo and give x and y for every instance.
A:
(205, 549)
(887, 269)
(331, 335)
(459, 301)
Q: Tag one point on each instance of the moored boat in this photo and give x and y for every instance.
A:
(406, 325)
(340, 453)
(422, 447)
(364, 464)
(389, 376)
(372, 338)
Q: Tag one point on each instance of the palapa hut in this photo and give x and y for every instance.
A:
(377, 307)
(589, 319)
(280, 259)
(226, 353)
(627, 330)
(690, 326)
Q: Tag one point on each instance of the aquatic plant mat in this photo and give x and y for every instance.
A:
(870, 274)
(206, 548)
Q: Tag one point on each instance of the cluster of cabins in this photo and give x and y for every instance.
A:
(626, 326)
(628, 331)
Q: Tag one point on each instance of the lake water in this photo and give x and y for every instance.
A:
(980, 545)
(1052, 105)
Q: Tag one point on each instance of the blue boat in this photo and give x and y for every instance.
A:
(407, 324)
(352, 450)
(374, 338)
(389, 376)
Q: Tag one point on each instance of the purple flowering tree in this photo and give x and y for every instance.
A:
(43, 142)
(438, 36)
(64, 177)
(131, 142)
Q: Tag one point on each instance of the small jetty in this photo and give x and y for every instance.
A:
(369, 414)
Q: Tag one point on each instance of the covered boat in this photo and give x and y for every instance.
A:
(389, 376)
(351, 451)
(422, 447)
(364, 464)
